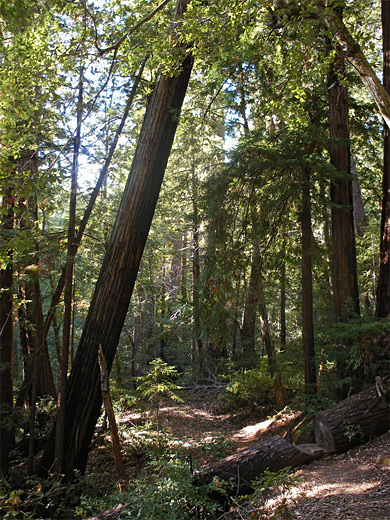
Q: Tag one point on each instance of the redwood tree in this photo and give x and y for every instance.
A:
(6, 339)
(383, 291)
(345, 284)
(120, 265)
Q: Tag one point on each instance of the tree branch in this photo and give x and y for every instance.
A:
(139, 24)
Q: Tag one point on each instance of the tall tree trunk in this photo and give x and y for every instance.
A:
(307, 289)
(88, 210)
(383, 290)
(345, 285)
(68, 289)
(248, 328)
(31, 316)
(6, 342)
(197, 333)
(283, 297)
(183, 268)
(120, 266)
(355, 56)
(279, 389)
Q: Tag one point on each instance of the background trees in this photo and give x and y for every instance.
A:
(241, 263)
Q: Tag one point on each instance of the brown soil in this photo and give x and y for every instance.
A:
(351, 486)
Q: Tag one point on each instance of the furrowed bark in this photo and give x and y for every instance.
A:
(383, 291)
(6, 344)
(345, 284)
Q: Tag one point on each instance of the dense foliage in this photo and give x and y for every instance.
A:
(220, 287)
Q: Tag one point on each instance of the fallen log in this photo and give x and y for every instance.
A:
(243, 467)
(112, 514)
(353, 421)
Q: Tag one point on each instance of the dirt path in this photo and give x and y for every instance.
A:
(351, 486)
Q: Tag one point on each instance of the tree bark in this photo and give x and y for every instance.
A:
(307, 289)
(345, 285)
(120, 266)
(353, 421)
(6, 343)
(241, 468)
(355, 56)
(383, 290)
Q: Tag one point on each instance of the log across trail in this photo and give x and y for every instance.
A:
(354, 421)
(349, 423)
(243, 467)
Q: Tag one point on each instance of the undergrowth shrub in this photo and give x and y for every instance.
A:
(272, 497)
(352, 354)
(40, 499)
(165, 490)
(249, 389)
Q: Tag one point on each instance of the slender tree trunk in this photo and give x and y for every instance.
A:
(120, 266)
(248, 329)
(6, 343)
(88, 210)
(105, 388)
(38, 320)
(68, 290)
(197, 333)
(31, 320)
(307, 289)
(345, 285)
(183, 268)
(279, 389)
(283, 297)
(383, 290)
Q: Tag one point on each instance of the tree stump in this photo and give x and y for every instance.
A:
(243, 467)
(353, 421)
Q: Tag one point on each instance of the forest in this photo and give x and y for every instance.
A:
(195, 200)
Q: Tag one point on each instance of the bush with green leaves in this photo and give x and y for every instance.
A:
(353, 353)
(278, 486)
(218, 445)
(249, 389)
(40, 498)
(165, 489)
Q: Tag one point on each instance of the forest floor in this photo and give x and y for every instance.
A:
(353, 486)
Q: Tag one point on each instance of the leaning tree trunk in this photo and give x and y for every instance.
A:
(383, 290)
(345, 285)
(354, 420)
(354, 54)
(120, 266)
